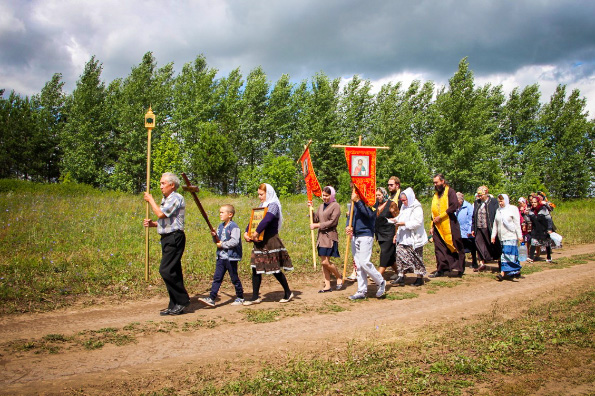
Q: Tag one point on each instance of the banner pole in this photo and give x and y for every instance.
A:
(348, 243)
(312, 235)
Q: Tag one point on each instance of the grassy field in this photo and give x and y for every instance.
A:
(63, 244)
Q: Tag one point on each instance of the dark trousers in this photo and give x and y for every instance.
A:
(469, 243)
(221, 267)
(172, 249)
(548, 250)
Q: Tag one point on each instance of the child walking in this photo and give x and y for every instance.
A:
(229, 252)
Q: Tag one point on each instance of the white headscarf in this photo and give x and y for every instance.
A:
(411, 201)
(271, 197)
(505, 213)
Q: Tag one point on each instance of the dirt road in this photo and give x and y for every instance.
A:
(225, 334)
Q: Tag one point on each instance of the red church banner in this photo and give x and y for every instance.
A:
(312, 185)
(361, 162)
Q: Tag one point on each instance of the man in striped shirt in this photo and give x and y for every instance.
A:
(170, 225)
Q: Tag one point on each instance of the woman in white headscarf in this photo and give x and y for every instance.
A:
(410, 239)
(507, 228)
(269, 256)
(326, 219)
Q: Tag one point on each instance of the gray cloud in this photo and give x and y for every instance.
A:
(374, 39)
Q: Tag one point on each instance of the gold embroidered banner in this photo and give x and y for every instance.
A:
(361, 162)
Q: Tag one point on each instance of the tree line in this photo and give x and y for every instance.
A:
(229, 133)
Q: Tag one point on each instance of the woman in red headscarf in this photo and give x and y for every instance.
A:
(542, 227)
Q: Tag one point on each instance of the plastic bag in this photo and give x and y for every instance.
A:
(557, 238)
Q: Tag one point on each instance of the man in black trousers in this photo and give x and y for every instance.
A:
(170, 225)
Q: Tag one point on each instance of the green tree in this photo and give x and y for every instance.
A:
(227, 116)
(464, 123)
(85, 137)
(523, 153)
(146, 86)
(319, 121)
(395, 114)
(18, 137)
(49, 107)
(280, 120)
(279, 172)
(195, 103)
(566, 134)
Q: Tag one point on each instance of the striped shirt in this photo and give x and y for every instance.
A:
(174, 208)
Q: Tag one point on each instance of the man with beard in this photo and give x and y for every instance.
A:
(394, 190)
(448, 245)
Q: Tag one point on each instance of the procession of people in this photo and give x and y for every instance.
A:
(490, 229)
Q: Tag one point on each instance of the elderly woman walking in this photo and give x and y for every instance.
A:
(410, 239)
(484, 212)
(507, 228)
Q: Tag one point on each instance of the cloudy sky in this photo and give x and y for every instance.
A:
(510, 42)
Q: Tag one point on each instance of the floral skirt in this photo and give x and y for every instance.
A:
(269, 256)
(410, 260)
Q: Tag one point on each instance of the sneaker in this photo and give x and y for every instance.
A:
(238, 301)
(399, 281)
(207, 301)
(381, 289)
(548, 260)
(351, 278)
(395, 276)
(286, 300)
(357, 296)
(250, 302)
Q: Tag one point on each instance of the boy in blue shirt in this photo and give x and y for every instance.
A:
(229, 252)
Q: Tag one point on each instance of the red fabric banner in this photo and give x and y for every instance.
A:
(361, 162)
(312, 185)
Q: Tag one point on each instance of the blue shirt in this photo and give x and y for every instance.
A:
(465, 217)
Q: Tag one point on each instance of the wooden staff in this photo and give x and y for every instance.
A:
(311, 215)
(193, 190)
(149, 124)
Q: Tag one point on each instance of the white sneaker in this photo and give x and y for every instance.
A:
(238, 301)
(250, 302)
(381, 289)
(358, 296)
(207, 301)
(286, 300)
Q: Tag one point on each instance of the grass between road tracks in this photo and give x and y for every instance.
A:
(65, 244)
(548, 344)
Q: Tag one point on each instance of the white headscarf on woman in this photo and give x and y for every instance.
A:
(411, 200)
(506, 218)
(271, 197)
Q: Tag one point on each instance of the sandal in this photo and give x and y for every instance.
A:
(325, 290)
(529, 260)
(339, 286)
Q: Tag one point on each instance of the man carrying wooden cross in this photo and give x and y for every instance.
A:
(170, 225)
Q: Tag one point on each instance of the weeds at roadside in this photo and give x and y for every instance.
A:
(261, 315)
(433, 362)
(401, 296)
